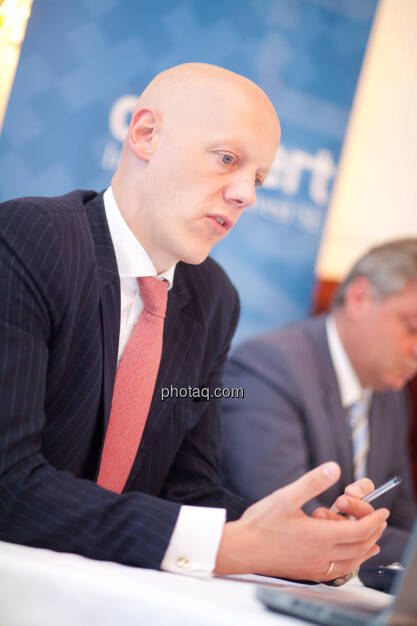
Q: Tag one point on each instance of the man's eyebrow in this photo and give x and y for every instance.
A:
(223, 142)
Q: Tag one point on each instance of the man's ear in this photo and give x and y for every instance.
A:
(143, 133)
(358, 296)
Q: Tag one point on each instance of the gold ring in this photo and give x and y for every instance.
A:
(331, 566)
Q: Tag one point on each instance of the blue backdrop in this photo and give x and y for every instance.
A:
(84, 62)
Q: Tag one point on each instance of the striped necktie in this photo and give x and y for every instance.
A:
(134, 387)
(359, 425)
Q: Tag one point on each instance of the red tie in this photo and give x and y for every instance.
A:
(134, 387)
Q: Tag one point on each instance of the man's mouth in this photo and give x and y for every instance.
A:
(220, 222)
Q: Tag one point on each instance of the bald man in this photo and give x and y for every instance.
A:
(201, 140)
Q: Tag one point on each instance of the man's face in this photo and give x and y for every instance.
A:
(389, 329)
(203, 174)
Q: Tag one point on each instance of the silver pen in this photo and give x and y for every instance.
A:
(374, 494)
(382, 489)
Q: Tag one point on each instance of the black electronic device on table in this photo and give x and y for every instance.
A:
(382, 577)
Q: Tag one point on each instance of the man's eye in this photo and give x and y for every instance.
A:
(227, 159)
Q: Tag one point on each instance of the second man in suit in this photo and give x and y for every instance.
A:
(330, 388)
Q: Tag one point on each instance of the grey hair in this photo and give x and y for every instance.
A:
(388, 267)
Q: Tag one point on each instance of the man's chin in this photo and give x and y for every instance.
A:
(392, 383)
(195, 259)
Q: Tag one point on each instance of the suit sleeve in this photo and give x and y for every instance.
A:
(263, 437)
(195, 475)
(400, 501)
(40, 506)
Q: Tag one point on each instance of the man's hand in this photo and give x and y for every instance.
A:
(274, 537)
(350, 504)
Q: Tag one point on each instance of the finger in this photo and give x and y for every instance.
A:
(343, 567)
(348, 531)
(372, 552)
(354, 507)
(310, 485)
(360, 488)
(358, 550)
(323, 513)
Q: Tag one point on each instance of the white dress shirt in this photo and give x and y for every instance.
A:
(195, 541)
(350, 388)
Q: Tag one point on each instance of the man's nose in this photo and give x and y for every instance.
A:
(241, 192)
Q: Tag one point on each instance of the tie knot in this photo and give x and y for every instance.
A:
(154, 293)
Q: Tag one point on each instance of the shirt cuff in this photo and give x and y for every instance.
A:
(193, 546)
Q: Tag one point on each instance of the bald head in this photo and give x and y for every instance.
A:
(199, 89)
(195, 96)
(200, 141)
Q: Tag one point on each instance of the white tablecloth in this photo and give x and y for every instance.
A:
(45, 588)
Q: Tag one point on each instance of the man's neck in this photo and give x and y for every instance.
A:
(129, 210)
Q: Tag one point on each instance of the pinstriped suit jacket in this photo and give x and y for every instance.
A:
(59, 329)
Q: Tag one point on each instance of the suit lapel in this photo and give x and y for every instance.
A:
(109, 295)
(334, 412)
(110, 326)
(341, 439)
(381, 437)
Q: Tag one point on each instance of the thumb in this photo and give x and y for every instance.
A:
(311, 484)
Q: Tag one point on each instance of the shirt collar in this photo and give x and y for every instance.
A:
(132, 259)
(350, 388)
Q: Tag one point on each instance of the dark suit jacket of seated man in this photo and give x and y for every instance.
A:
(292, 416)
(61, 296)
